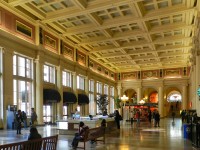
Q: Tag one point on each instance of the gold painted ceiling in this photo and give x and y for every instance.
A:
(122, 35)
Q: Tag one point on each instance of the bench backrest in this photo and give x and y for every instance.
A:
(95, 132)
(47, 143)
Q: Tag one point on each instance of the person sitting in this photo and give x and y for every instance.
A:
(103, 127)
(34, 134)
(103, 123)
(80, 135)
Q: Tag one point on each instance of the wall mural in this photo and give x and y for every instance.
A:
(81, 58)
(68, 52)
(150, 74)
(172, 72)
(129, 75)
(50, 42)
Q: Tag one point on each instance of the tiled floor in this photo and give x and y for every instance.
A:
(145, 137)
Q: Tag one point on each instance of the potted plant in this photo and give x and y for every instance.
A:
(117, 102)
(102, 102)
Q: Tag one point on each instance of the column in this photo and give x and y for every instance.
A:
(196, 105)
(8, 83)
(103, 88)
(108, 109)
(161, 102)
(184, 97)
(54, 112)
(95, 96)
(60, 90)
(38, 103)
(74, 86)
(119, 89)
(86, 85)
(87, 93)
(139, 91)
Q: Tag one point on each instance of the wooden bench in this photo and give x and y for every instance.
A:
(94, 134)
(46, 143)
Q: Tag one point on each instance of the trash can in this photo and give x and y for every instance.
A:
(187, 131)
(196, 135)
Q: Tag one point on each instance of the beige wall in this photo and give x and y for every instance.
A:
(40, 56)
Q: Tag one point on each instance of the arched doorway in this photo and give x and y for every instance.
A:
(174, 98)
(129, 105)
(150, 96)
(132, 95)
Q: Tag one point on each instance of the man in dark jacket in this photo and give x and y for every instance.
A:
(19, 121)
(157, 119)
(80, 135)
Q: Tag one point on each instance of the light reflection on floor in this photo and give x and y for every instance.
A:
(145, 137)
(154, 130)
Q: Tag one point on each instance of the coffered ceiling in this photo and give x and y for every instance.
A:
(122, 35)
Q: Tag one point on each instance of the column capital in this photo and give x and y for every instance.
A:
(74, 73)
(8, 51)
(119, 87)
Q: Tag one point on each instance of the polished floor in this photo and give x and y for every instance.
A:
(145, 137)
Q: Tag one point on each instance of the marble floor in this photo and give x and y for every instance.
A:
(145, 137)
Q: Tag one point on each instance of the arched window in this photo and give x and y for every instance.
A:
(174, 96)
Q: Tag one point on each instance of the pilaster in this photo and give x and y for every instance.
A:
(38, 103)
(161, 101)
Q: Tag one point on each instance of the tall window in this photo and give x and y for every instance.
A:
(99, 92)
(112, 94)
(106, 89)
(80, 82)
(67, 78)
(91, 97)
(47, 116)
(64, 112)
(91, 85)
(23, 82)
(1, 92)
(49, 73)
(99, 87)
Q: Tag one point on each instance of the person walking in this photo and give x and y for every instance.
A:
(173, 116)
(149, 116)
(132, 117)
(33, 117)
(19, 121)
(24, 119)
(118, 117)
(157, 119)
(137, 116)
(183, 114)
